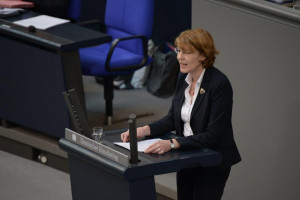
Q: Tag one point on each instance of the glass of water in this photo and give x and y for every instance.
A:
(296, 5)
(97, 134)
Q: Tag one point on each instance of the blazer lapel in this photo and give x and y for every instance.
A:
(178, 105)
(203, 90)
(180, 98)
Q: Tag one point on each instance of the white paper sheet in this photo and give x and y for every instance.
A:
(7, 11)
(142, 145)
(41, 22)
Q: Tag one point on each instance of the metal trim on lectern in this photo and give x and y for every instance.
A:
(97, 147)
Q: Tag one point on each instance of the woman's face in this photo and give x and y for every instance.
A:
(190, 60)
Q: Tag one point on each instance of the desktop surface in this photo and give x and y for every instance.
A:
(68, 36)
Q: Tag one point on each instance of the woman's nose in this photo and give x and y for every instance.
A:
(179, 56)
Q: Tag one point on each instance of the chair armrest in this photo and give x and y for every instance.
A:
(126, 68)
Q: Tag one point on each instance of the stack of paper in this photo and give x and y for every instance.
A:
(41, 22)
(142, 145)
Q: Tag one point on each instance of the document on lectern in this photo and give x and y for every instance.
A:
(9, 11)
(41, 22)
(142, 145)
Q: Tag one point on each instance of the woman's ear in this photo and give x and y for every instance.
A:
(202, 58)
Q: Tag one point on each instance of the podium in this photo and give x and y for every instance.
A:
(36, 67)
(110, 175)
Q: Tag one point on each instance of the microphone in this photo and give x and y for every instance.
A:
(31, 29)
(133, 139)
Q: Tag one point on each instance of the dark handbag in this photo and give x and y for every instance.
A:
(164, 71)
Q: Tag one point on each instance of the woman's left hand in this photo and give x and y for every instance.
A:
(159, 147)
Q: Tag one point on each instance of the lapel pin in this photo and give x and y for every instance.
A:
(202, 91)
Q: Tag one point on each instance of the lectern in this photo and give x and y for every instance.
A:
(104, 172)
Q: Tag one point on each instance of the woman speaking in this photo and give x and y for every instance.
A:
(201, 116)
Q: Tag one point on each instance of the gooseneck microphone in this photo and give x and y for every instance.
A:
(31, 29)
(133, 139)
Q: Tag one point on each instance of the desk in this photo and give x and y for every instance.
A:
(36, 67)
(95, 177)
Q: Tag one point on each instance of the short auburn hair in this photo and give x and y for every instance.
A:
(200, 40)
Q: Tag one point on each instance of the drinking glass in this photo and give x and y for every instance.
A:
(97, 134)
(296, 5)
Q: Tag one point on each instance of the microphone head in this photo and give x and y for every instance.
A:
(132, 116)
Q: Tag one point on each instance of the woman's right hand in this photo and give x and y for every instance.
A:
(140, 133)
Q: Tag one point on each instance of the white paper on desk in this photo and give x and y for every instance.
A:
(41, 22)
(142, 145)
(7, 11)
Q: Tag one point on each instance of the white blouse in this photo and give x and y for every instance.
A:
(188, 103)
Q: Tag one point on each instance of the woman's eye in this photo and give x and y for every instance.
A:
(177, 50)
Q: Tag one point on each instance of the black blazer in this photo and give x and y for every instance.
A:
(210, 117)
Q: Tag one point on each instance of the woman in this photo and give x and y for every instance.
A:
(201, 114)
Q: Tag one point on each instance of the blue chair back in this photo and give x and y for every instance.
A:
(129, 17)
(74, 10)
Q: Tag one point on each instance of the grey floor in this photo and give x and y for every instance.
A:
(126, 102)
(24, 179)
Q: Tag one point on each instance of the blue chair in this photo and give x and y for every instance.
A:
(129, 22)
(74, 10)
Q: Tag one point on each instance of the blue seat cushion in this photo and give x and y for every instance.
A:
(93, 60)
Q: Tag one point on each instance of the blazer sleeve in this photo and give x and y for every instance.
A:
(214, 130)
(167, 123)
(164, 125)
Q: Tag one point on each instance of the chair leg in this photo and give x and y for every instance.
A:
(108, 96)
(6, 124)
